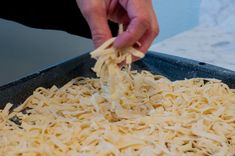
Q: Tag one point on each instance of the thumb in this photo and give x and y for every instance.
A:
(97, 20)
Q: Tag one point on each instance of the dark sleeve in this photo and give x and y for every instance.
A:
(48, 14)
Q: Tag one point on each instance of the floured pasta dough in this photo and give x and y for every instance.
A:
(108, 69)
(122, 113)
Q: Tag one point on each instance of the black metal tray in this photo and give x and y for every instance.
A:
(174, 68)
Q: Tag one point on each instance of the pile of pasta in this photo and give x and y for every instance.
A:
(144, 114)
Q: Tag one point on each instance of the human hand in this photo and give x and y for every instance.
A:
(137, 16)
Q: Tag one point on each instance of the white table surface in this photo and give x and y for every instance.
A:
(209, 45)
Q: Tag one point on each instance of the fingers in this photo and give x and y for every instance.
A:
(95, 15)
(148, 38)
(138, 18)
(146, 41)
(100, 31)
(117, 13)
(150, 34)
(143, 25)
(134, 32)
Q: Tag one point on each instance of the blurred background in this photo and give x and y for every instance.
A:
(200, 29)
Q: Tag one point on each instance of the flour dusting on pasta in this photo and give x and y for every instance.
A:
(122, 113)
(107, 67)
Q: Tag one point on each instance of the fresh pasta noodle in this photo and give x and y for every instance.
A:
(122, 113)
(107, 67)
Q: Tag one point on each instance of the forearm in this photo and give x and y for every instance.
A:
(48, 14)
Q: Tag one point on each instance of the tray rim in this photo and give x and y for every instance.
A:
(194, 63)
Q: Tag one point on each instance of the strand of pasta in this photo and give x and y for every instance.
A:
(107, 65)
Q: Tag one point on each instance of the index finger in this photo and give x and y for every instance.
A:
(139, 23)
(135, 30)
